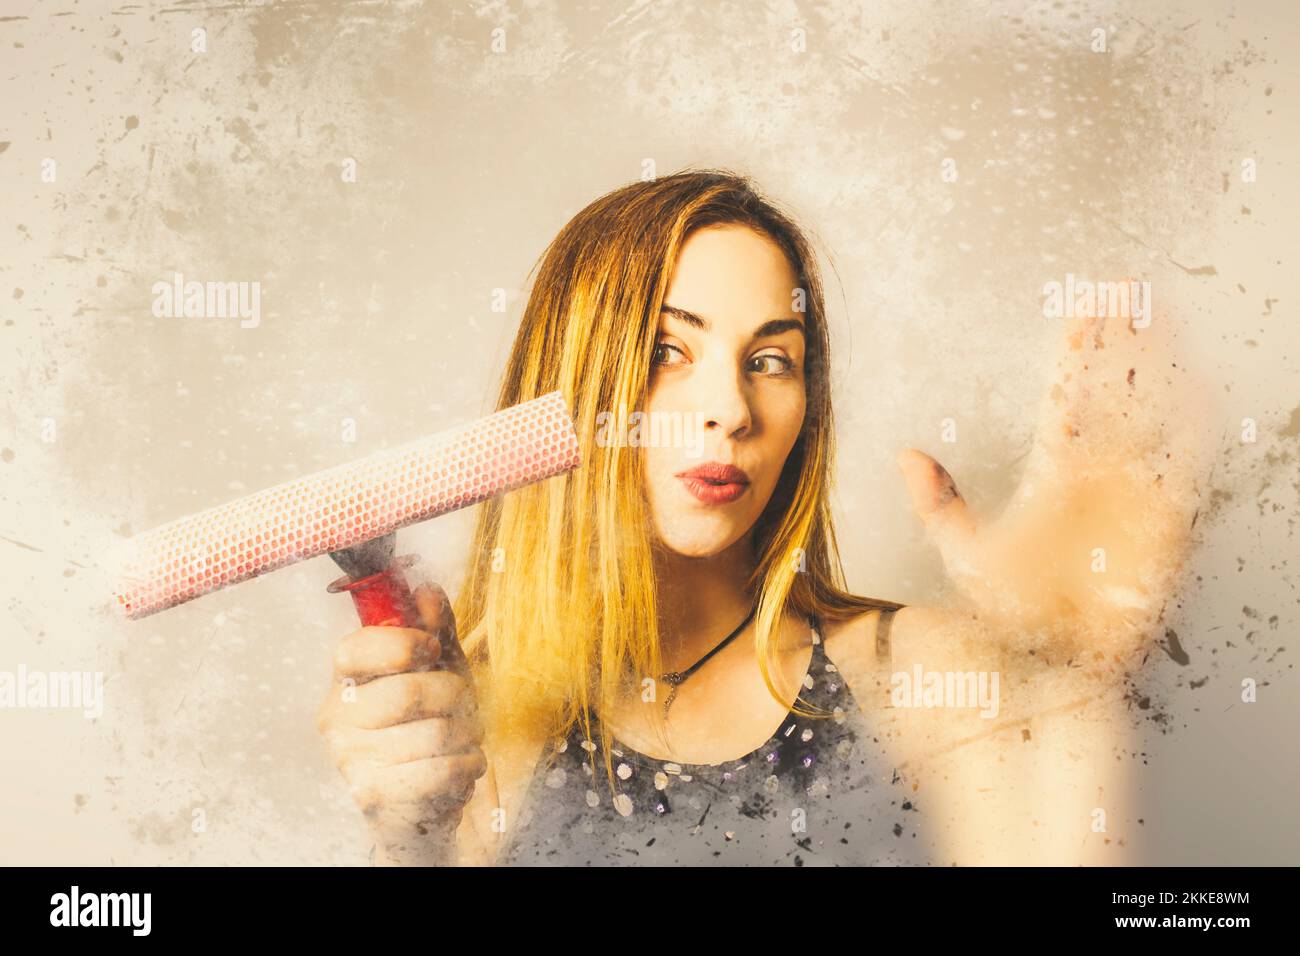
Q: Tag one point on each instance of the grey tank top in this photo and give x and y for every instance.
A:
(820, 792)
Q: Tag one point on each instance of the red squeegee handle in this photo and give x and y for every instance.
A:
(385, 600)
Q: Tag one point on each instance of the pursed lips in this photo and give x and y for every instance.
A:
(715, 482)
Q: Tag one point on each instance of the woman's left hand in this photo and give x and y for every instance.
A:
(1092, 541)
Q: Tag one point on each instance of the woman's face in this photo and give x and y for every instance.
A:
(729, 370)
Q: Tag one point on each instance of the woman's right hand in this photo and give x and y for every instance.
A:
(405, 733)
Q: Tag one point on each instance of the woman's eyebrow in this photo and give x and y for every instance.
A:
(771, 327)
(690, 318)
(777, 326)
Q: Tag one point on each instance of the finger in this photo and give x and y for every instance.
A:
(442, 779)
(414, 740)
(1112, 372)
(435, 608)
(386, 701)
(1104, 342)
(380, 651)
(940, 507)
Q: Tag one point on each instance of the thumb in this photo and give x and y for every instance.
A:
(435, 609)
(940, 507)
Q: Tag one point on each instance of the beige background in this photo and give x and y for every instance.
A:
(225, 165)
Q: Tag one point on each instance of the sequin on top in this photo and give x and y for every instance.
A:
(820, 792)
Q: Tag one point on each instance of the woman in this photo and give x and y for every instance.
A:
(639, 628)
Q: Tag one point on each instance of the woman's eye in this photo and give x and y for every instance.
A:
(771, 364)
(663, 355)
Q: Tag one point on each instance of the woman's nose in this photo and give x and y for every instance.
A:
(725, 405)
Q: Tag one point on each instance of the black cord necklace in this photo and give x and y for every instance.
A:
(676, 678)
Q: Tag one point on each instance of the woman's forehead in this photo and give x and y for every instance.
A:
(732, 273)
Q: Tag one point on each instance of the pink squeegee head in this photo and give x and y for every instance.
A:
(347, 505)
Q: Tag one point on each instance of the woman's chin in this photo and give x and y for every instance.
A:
(698, 542)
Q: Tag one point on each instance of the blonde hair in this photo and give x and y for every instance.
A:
(555, 628)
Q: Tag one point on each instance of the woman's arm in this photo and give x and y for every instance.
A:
(1009, 765)
(1061, 595)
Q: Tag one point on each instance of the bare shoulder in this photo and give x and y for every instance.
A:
(854, 644)
(851, 642)
(852, 637)
(917, 625)
(856, 636)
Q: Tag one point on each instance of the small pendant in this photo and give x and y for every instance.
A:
(674, 680)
